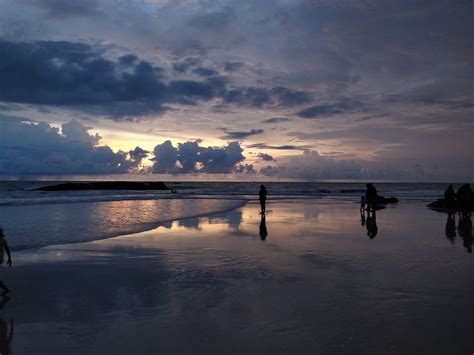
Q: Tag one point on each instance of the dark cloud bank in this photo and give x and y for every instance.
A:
(37, 148)
(82, 77)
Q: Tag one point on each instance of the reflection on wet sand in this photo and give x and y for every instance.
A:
(212, 275)
(450, 229)
(370, 221)
(6, 330)
(263, 228)
(464, 229)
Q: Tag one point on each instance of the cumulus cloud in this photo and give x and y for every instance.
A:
(265, 157)
(28, 147)
(138, 154)
(246, 169)
(189, 157)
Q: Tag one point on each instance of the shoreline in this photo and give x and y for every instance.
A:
(148, 226)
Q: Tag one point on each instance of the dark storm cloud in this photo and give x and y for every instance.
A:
(37, 148)
(79, 76)
(189, 157)
(275, 120)
(265, 157)
(241, 134)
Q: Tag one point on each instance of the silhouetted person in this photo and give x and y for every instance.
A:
(263, 228)
(4, 249)
(363, 202)
(464, 196)
(451, 226)
(6, 335)
(371, 224)
(450, 197)
(465, 230)
(262, 196)
(371, 197)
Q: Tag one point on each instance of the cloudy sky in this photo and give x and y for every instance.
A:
(283, 89)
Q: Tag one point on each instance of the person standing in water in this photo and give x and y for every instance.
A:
(4, 249)
(262, 196)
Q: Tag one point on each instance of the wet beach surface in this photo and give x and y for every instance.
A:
(316, 284)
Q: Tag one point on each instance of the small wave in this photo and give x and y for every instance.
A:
(29, 227)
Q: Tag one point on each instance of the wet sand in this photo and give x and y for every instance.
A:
(316, 284)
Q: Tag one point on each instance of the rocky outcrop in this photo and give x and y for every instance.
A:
(386, 200)
(442, 205)
(105, 185)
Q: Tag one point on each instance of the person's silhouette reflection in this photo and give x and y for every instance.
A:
(465, 230)
(451, 227)
(6, 332)
(371, 224)
(362, 217)
(263, 228)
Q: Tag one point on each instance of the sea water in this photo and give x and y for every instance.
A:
(33, 219)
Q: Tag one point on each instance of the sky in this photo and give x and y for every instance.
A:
(269, 90)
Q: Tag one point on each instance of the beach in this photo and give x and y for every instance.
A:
(309, 280)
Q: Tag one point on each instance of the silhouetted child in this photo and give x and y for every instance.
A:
(262, 196)
(363, 202)
(4, 249)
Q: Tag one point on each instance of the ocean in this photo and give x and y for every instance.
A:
(33, 219)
